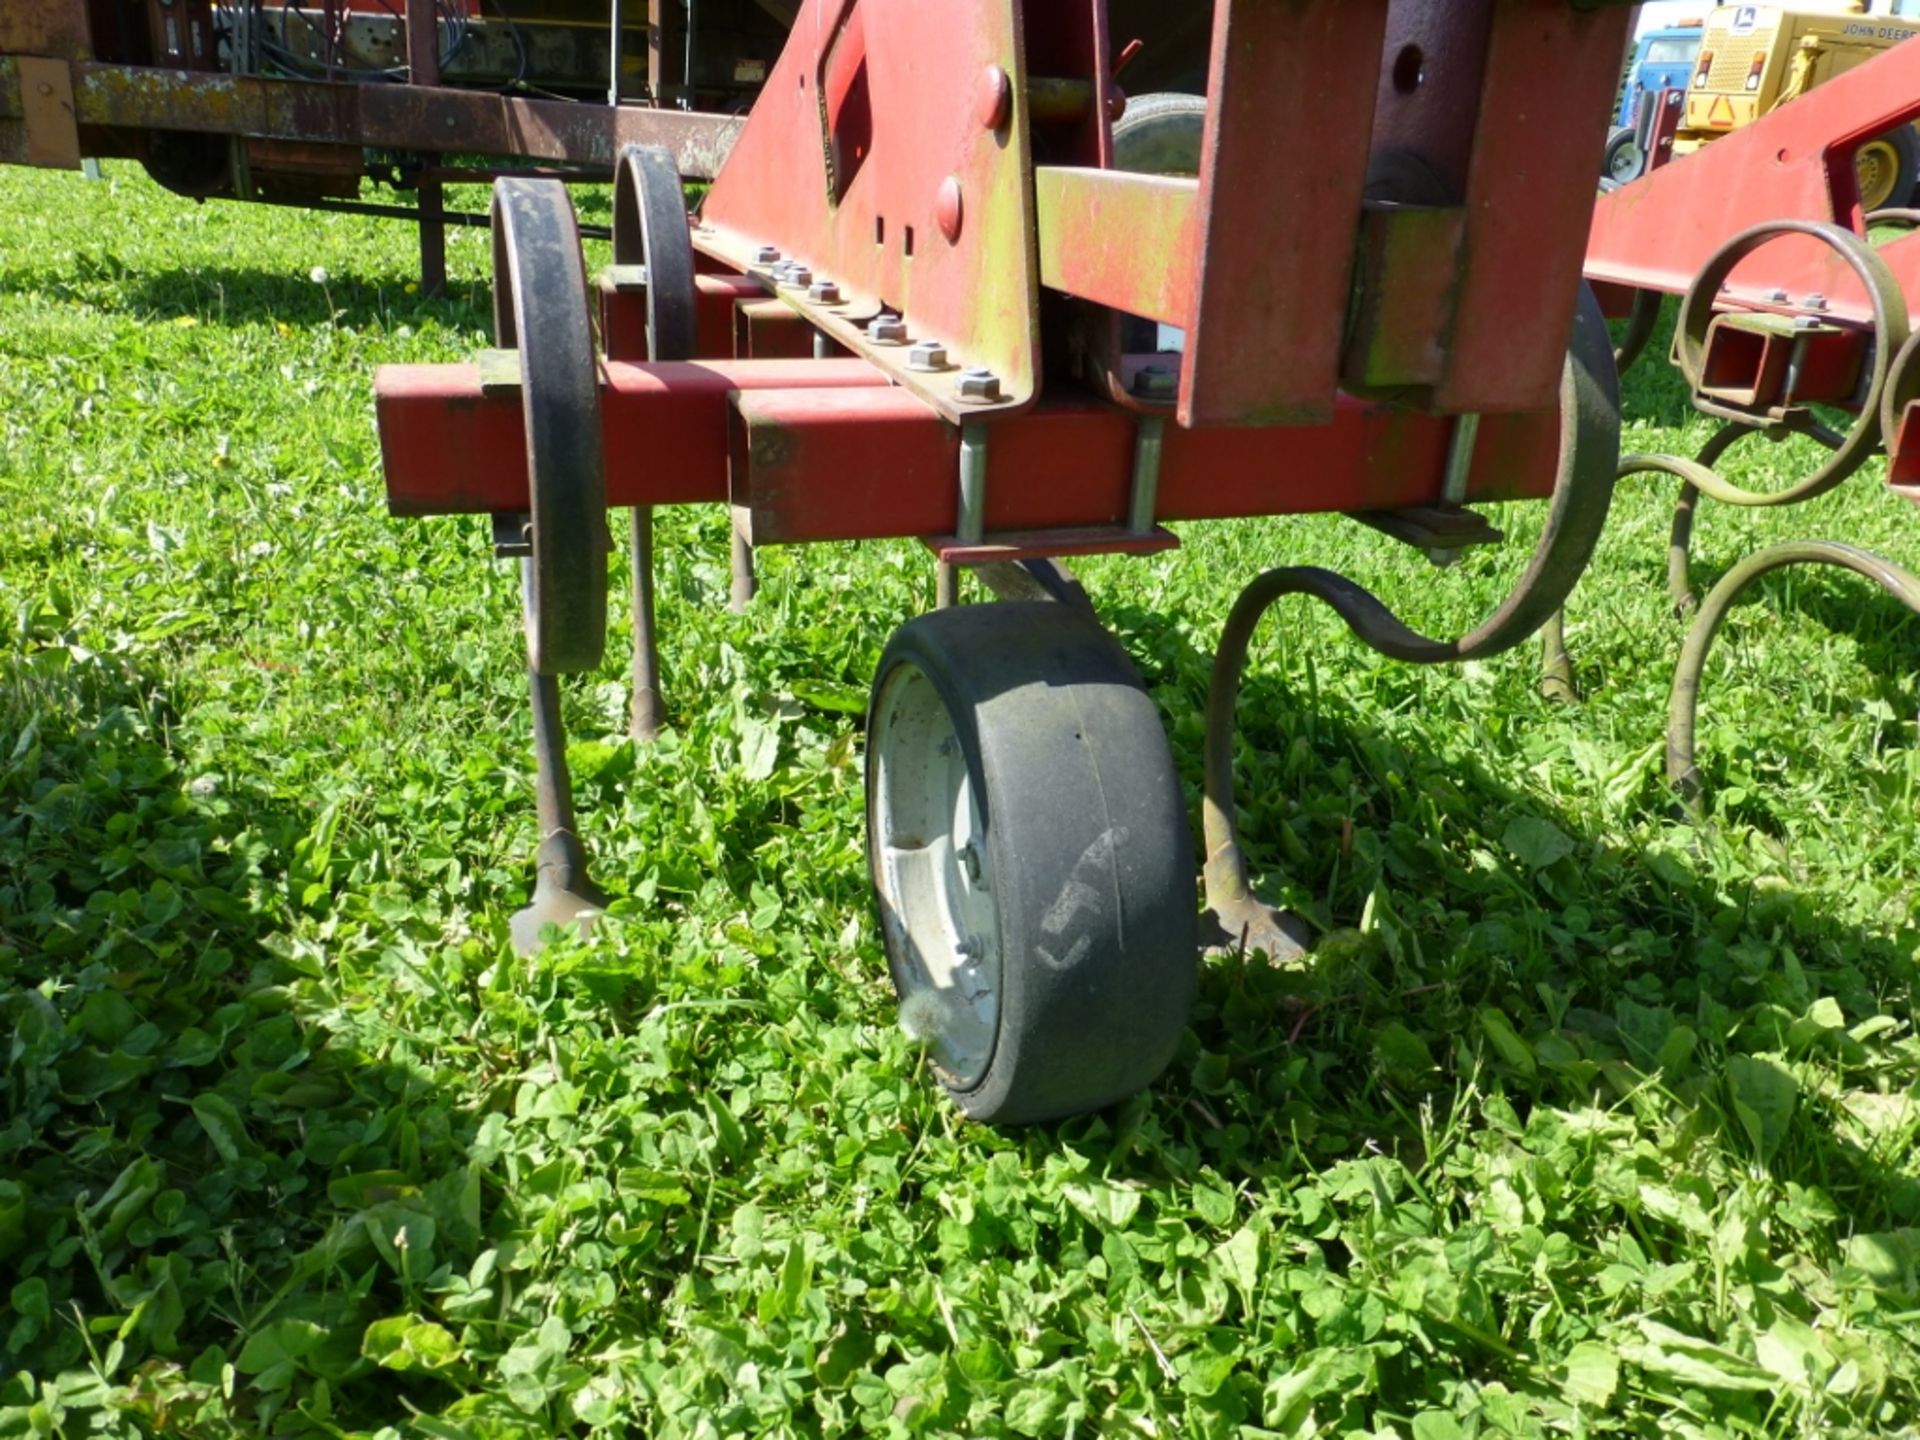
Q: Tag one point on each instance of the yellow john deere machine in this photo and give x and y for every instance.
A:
(1755, 58)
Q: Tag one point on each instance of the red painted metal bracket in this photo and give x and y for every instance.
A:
(874, 158)
(1796, 163)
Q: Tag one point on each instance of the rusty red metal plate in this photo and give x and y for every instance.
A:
(1551, 73)
(1000, 549)
(1659, 232)
(871, 113)
(1283, 171)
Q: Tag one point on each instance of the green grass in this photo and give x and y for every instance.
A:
(1580, 1122)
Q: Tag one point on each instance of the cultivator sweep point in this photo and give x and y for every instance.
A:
(921, 301)
(1790, 317)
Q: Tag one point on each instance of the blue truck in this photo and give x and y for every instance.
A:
(1663, 60)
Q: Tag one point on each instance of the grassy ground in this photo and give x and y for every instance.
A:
(1581, 1121)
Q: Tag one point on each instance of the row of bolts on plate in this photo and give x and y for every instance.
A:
(887, 328)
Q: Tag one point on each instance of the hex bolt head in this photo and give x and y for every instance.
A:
(1156, 382)
(887, 329)
(927, 355)
(1815, 301)
(979, 383)
(1778, 297)
(766, 255)
(797, 274)
(825, 292)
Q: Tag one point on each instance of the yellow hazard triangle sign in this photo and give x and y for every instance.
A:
(1722, 113)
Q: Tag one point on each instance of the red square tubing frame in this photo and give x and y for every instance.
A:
(815, 450)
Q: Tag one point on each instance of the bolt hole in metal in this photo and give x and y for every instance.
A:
(942, 919)
(1409, 69)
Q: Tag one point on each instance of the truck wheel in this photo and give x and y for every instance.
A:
(1624, 161)
(1887, 167)
(1160, 134)
(1032, 859)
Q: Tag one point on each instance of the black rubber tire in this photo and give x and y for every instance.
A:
(1160, 134)
(1613, 161)
(1088, 850)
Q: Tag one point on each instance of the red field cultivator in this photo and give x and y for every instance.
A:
(1793, 322)
(921, 301)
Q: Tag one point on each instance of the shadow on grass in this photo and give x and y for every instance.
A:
(192, 1167)
(1443, 893)
(237, 295)
(197, 1153)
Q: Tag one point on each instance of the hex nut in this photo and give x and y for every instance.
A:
(979, 383)
(766, 255)
(824, 292)
(797, 274)
(927, 355)
(1815, 301)
(887, 329)
(1155, 382)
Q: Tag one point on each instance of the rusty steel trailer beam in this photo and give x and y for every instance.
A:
(397, 117)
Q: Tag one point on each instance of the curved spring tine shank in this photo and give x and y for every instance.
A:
(650, 229)
(1698, 477)
(540, 309)
(1683, 706)
(1582, 493)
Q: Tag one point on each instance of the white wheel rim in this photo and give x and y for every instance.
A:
(1626, 162)
(934, 880)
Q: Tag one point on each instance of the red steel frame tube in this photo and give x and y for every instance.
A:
(827, 450)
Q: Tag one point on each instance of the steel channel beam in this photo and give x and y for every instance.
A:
(826, 450)
(401, 117)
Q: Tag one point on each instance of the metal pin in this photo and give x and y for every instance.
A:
(973, 483)
(1146, 473)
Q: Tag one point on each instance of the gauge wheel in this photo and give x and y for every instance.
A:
(1625, 161)
(1887, 167)
(1031, 859)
